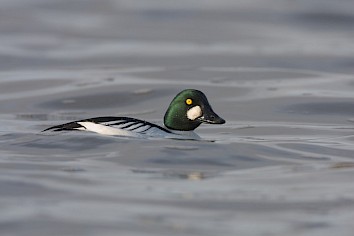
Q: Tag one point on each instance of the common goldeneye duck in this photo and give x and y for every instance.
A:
(189, 109)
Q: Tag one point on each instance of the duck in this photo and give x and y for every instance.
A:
(187, 111)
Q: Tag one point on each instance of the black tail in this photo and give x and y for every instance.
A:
(64, 127)
(74, 125)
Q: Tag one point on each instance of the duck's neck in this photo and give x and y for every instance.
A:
(174, 121)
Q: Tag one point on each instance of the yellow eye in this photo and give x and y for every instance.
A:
(189, 101)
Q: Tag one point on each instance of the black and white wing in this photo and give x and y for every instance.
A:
(110, 125)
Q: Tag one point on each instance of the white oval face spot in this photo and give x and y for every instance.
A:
(194, 113)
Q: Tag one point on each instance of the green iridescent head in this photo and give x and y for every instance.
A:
(188, 110)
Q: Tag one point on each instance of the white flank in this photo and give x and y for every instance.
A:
(153, 132)
(107, 130)
(194, 113)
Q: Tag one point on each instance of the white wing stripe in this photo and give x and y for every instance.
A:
(113, 123)
(121, 125)
(135, 126)
(143, 129)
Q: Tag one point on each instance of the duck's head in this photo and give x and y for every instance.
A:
(188, 110)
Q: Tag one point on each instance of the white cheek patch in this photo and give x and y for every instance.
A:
(194, 113)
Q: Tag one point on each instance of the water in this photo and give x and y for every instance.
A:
(279, 72)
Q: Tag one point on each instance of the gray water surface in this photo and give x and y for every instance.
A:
(279, 72)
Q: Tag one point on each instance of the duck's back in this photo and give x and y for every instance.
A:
(120, 126)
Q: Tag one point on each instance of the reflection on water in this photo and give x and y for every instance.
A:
(280, 74)
(324, 108)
